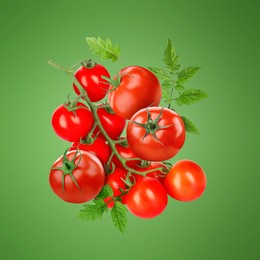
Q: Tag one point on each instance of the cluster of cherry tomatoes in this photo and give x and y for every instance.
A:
(133, 165)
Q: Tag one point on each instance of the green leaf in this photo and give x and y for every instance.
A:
(179, 87)
(93, 211)
(189, 126)
(105, 192)
(186, 74)
(103, 48)
(171, 59)
(190, 96)
(162, 74)
(118, 215)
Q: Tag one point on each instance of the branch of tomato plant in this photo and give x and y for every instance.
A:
(93, 109)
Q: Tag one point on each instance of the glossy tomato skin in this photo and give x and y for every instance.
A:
(171, 138)
(112, 123)
(89, 175)
(114, 180)
(125, 152)
(155, 174)
(138, 88)
(147, 198)
(72, 125)
(92, 81)
(99, 148)
(186, 181)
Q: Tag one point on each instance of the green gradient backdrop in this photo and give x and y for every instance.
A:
(220, 36)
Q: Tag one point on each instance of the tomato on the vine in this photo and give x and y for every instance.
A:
(98, 148)
(72, 125)
(156, 133)
(147, 198)
(186, 181)
(90, 77)
(77, 176)
(135, 88)
(157, 174)
(115, 181)
(112, 123)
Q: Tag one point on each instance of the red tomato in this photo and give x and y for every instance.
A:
(155, 133)
(138, 88)
(90, 77)
(112, 123)
(147, 198)
(98, 148)
(186, 181)
(125, 152)
(77, 177)
(155, 174)
(72, 125)
(114, 180)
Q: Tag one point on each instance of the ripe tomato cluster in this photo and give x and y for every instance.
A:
(123, 143)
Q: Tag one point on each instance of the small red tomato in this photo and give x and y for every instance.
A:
(125, 152)
(77, 177)
(186, 181)
(98, 148)
(158, 175)
(74, 125)
(111, 122)
(115, 181)
(90, 77)
(147, 198)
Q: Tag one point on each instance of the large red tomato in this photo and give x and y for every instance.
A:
(186, 181)
(74, 125)
(77, 177)
(98, 148)
(138, 88)
(156, 133)
(90, 77)
(147, 198)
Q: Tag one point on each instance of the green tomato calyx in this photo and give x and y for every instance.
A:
(68, 167)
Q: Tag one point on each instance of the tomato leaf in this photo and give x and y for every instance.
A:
(118, 215)
(186, 74)
(171, 59)
(190, 96)
(189, 126)
(162, 74)
(105, 192)
(179, 87)
(93, 211)
(103, 48)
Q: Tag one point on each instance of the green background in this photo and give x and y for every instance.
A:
(220, 36)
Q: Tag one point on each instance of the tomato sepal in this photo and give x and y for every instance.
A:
(68, 167)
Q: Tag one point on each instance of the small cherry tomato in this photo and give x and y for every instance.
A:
(112, 123)
(90, 77)
(186, 181)
(98, 148)
(115, 181)
(158, 175)
(147, 198)
(74, 125)
(125, 152)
